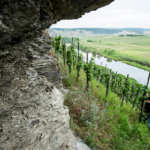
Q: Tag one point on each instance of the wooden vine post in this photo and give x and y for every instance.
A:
(105, 72)
(101, 73)
(143, 101)
(72, 41)
(78, 62)
(73, 56)
(87, 73)
(62, 41)
(115, 82)
(108, 85)
(119, 85)
(124, 93)
(64, 52)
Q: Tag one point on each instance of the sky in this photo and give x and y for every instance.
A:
(119, 14)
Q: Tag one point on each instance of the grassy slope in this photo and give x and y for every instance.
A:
(104, 124)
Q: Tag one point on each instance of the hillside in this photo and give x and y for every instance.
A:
(96, 31)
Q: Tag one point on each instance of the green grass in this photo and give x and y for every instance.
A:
(100, 121)
(131, 46)
(137, 65)
(103, 45)
(121, 43)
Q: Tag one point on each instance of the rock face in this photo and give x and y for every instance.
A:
(32, 114)
(21, 19)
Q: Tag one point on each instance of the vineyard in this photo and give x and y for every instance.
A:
(127, 89)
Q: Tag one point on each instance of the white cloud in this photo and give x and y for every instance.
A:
(121, 13)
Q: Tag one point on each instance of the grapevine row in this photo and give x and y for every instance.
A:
(125, 87)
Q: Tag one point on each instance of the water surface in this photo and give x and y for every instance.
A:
(139, 74)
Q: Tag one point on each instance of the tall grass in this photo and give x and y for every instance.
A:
(101, 121)
(121, 57)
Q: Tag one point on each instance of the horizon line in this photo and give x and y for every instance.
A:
(101, 27)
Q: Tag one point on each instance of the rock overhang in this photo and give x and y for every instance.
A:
(21, 19)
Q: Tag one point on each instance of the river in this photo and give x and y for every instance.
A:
(139, 74)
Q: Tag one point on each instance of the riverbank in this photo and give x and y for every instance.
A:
(131, 60)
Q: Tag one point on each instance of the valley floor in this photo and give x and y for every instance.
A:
(131, 50)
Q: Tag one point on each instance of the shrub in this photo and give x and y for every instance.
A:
(111, 52)
(90, 41)
(89, 114)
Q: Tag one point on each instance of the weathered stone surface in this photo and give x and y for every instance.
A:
(32, 115)
(21, 19)
(81, 145)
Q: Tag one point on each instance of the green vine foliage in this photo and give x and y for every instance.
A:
(119, 85)
(80, 63)
(129, 89)
(61, 49)
(88, 68)
(126, 90)
(138, 98)
(64, 45)
(141, 96)
(56, 43)
(107, 75)
(74, 56)
(69, 60)
(144, 90)
(97, 71)
(113, 82)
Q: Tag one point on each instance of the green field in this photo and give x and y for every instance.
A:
(133, 46)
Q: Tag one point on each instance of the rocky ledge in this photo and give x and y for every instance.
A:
(32, 114)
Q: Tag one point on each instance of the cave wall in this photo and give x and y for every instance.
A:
(32, 114)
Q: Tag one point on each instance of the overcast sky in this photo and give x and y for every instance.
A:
(119, 14)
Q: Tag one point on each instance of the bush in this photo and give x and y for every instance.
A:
(90, 41)
(105, 51)
(111, 52)
(89, 114)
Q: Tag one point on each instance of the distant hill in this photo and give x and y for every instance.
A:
(96, 31)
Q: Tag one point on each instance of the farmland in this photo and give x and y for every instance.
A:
(133, 46)
(130, 50)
